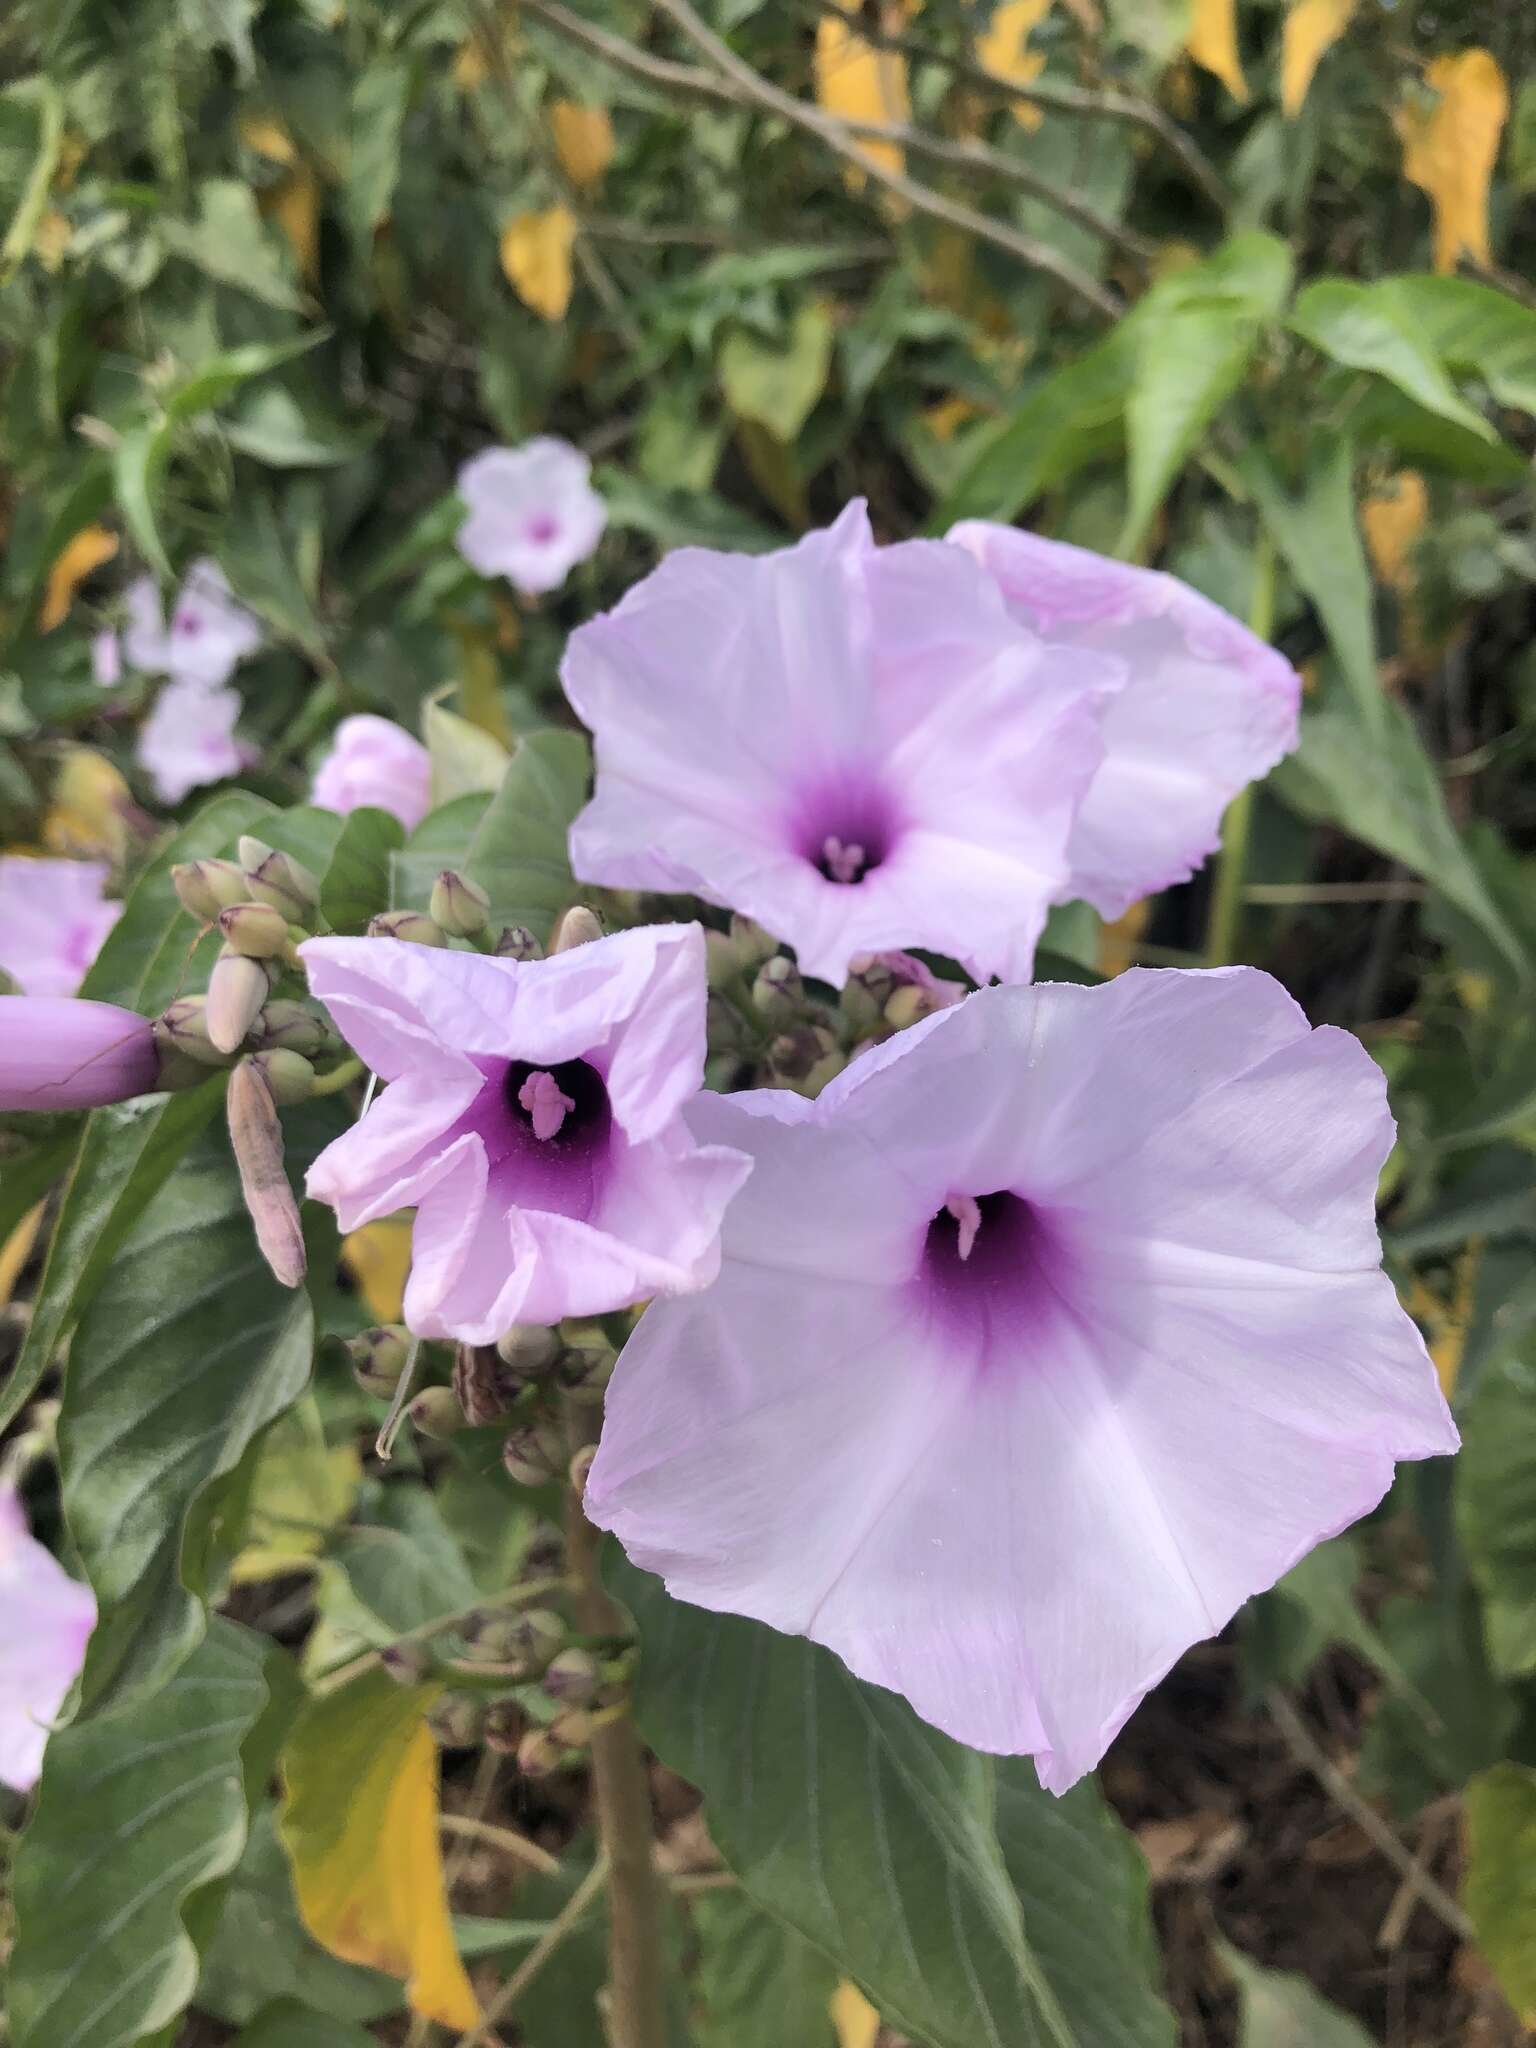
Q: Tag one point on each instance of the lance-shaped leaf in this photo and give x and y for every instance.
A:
(518, 853)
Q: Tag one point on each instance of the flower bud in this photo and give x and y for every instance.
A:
(724, 1030)
(237, 988)
(533, 1452)
(183, 1028)
(544, 1552)
(539, 1755)
(534, 1637)
(411, 925)
(584, 1372)
(721, 960)
(175, 1069)
(205, 887)
(518, 943)
(505, 1726)
(405, 1663)
(280, 880)
(9, 985)
(257, 1139)
(435, 1412)
(64, 1052)
(529, 1349)
(778, 992)
(483, 1385)
(288, 1074)
(378, 1357)
(456, 1722)
(578, 927)
(751, 944)
(459, 905)
(573, 1678)
(910, 1004)
(288, 1026)
(255, 929)
(574, 1727)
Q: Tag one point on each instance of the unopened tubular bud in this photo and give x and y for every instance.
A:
(414, 926)
(288, 1026)
(533, 1638)
(533, 1452)
(435, 1412)
(459, 905)
(529, 1349)
(778, 993)
(578, 927)
(584, 1372)
(518, 943)
(750, 943)
(539, 1755)
(183, 1028)
(205, 887)
(378, 1357)
(288, 1074)
(483, 1386)
(909, 1005)
(721, 961)
(257, 1138)
(573, 1678)
(505, 1726)
(280, 880)
(255, 929)
(237, 988)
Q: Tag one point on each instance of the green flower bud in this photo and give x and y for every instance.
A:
(378, 1357)
(288, 1074)
(205, 887)
(405, 1663)
(584, 1372)
(457, 1722)
(280, 880)
(176, 1070)
(796, 1055)
(722, 962)
(573, 1678)
(778, 993)
(534, 1637)
(237, 989)
(459, 905)
(505, 1726)
(533, 1452)
(518, 943)
(255, 929)
(183, 1028)
(435, 1412)
(288, 1026)
(411, 925)
(530, 1349)
(909, 1005)
(578, 927)
(751, 944)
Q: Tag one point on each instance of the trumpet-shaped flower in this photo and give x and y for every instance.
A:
(57, 1052)
(46, 1618)
(533, 1120)
(188, 739)
(533, 514)
(1208, 707)
(374, 761)
(856, 746)
(53, 918)
(1052, 1331)
(208, 636)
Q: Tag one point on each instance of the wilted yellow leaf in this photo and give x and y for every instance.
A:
(360, 1824)
(91, 546)
(300, 1490)
(91, 809)
(1118, 940)
(1449, 150)
(471, 65)
(1212, 42)
(1393, 518)
(378, 1257)
(536, 256)
(1311, 27)
(856, 81)
(583, 141)
(1003, 47)
(944, 419)
(16, 1250)
(854, 2020)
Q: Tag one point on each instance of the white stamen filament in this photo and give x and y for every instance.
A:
(966, 1211)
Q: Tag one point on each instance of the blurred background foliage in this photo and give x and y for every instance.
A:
(1239, 289)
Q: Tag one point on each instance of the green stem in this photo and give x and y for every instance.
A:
(1224, 930)
(339, 1078)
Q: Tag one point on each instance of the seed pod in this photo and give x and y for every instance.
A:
(459, 905)
(378, 1357)
(411, 925)
(578, 927)
(518, 943)
(435, 1412)
(290, 1077)
(237, 989)
(183, 1028)
(257, 1139)
(533, 1452)
(255, 929)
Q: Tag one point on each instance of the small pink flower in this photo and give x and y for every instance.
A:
(209, 633)
(106, 659)
(374, 761)
(1208, 709)
(53, 918)
(856, 746)
(57, 1052)
(1051, 1332)
(533, 1121)
(533, 514)
(188, 739)
(46, 1618)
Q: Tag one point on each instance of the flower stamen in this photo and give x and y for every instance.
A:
(842, 863)
(966, 1211)
(546, 1104)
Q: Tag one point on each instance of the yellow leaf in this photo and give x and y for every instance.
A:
(1393, 519)
(293, 202)
(1445, 1323)
(300, 1490)
(265, 136)
(480, 683)
(583, 141)
(1311, 27)
(855, 81)
(471, 65)
(1118, 941)
(1449, 150)
(944, 419)
(91, 807)
(1212, 42)
(17, 1249)
(52, 240)
(536, 256)
(360, 1824)
(91, 546)
(378, 1257)
(854, 2019)
(1003, 49)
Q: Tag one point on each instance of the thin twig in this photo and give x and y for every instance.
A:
(1399, 891)
(564, 1923)
(517, 1845)
(1309, 1752)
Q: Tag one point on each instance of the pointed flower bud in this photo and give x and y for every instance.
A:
(183, 1028)
(435, 1412)
(750, 943)
(289, 1026)
(257, 1138)
(279, 879)
(459, 905)
(573, 1678)
(405, 1663)
(518, 943)
(579, 1467)
(722, 963)
(578, 927)
(410, 925)
(255, 929)
(778, 993)
(505, 1726)
(57, 1052)
(205, 887)
(289, 1075)
(533, 1452)
(909, 1004)
(534, 1637)
(378, 1357)
(237, 988)
(574, 1727)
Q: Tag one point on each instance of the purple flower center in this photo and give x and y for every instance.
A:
(547, 1104)
(845, 829)
(985, 1273)
(563, 1107)
(542, 529)
(187, 624)
(545, 1128)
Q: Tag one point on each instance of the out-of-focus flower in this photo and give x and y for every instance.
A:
(60, 1053)
(46, 1618)
(533, 1121)
(209, 633)
(1052, 1331)
(1208, 707)
(533, 514)
(53, 918)
(188, 739)
(374, 761)
(854, 746)
(106, 659)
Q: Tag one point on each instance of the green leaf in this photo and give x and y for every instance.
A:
(519, 853)
(356, 884)
(1280, 2010)
(1499, 1889)
(862, 1828)
(124, 1155)
(757, 1983)
(1368, 327)
(1312, 1608)
(28, 1172)
(380, 99)
(465, 758)
(188, 1350)
(681, 519)
(261, 560)
(288, 2025)
(778, 386)
(1496, 1511)
(230, 243)
(395, 1570)
(1474, 327)
(33, 199)
(221, 376)
(136, 1816)
(139, 464)
(1375, 779)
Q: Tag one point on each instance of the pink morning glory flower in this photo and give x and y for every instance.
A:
(856, 746)
(188, 739)
(374, 761)
(1052, 1331)
(208, 636)
(58, 1052)
(53, 918)
(533, 1120)
(533, 514)
(46, 1618)
(1208, 708)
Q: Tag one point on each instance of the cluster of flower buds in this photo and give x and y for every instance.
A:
(457, 909)
(262, 904)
